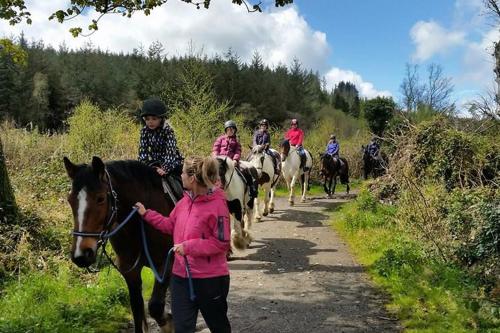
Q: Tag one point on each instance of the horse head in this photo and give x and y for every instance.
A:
(92, 202)
(284, 149)
(226, 169)
(257, 158)
(325, 164)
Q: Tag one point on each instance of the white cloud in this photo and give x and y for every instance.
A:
(478, 60)
(279, 35)
(431, 38)
(366, 89)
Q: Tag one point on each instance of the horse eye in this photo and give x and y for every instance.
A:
(100, 200)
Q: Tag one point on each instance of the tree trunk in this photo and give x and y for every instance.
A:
(8, 208)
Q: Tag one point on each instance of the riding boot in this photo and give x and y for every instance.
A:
(254, 188)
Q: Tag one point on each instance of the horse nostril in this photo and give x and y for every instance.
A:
(86, 259)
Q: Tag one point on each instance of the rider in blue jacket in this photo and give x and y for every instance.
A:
(332, 147)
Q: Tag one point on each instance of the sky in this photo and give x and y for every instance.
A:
(366, 42)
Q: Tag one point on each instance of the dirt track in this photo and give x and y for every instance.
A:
(298, 276)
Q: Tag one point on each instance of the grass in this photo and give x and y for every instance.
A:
(427, 295)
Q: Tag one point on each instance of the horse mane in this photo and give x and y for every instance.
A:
(127, 170)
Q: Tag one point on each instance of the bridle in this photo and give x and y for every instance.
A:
(107, 233)
(226, 185)
(110, 215)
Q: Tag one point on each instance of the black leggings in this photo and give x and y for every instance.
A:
(211, 301)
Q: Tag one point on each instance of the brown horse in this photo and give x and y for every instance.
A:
(101, 197)
(331, 168)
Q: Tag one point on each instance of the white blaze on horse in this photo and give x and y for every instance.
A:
(267, 177)
(238, 200)
(292, 169)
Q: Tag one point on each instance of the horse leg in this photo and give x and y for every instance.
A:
(256, 206)
(247, 225)
(271, 200)
(334, 184)
(325, 187)
(291, 188)
(266, 201)
(304, 186)
(330, 187)
(156, 305)
(236, 211)
(134, 284)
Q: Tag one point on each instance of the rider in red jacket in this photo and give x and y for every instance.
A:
(296, 137)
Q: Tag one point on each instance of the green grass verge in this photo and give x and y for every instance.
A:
(427, 295)
(66, 301)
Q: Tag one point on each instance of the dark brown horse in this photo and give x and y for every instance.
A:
(101, 197)
(375, 165)
(331, 168)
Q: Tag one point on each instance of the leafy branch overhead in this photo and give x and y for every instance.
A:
(15, 10)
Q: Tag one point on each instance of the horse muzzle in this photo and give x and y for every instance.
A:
(84, 258)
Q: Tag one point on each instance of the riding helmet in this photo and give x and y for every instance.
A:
(153, 107)
(264, 122)
(332, 137)
(230, 123)
(294, 122)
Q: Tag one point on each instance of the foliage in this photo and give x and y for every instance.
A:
(378, 112)
(435, 150)
(122, 80)
(197, 116)
(346, 98)
(427, 295)
(110, 134)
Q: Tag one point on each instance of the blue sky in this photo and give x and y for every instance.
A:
(366, 42)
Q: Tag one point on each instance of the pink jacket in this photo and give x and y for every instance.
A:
(201, 224)
(295, 136)
(227, 146)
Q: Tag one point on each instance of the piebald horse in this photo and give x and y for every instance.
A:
(268, 178)
(292, 170)
(101, 198)
(238, 201)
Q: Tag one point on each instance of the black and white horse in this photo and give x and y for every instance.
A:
(267, 176)
(238, 200)
(293, 170)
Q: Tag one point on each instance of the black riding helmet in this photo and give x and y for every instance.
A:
(264, 122)
(153, 107)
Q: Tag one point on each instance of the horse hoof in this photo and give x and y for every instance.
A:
(239, 243)
(303, 200)
(271, 210)
(291, 203)
(265, 213)
(258, 219)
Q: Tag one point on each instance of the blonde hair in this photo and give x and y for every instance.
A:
(204, 169)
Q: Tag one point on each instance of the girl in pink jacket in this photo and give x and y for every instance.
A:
(200, 227)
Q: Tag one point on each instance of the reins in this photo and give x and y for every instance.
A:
(107, 233)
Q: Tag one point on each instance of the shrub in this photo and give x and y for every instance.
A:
(110, 135)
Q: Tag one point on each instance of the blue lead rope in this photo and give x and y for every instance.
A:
(161, 278)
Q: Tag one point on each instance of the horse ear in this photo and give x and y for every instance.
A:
(250, 146)
(98, 166)
(70, 167)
